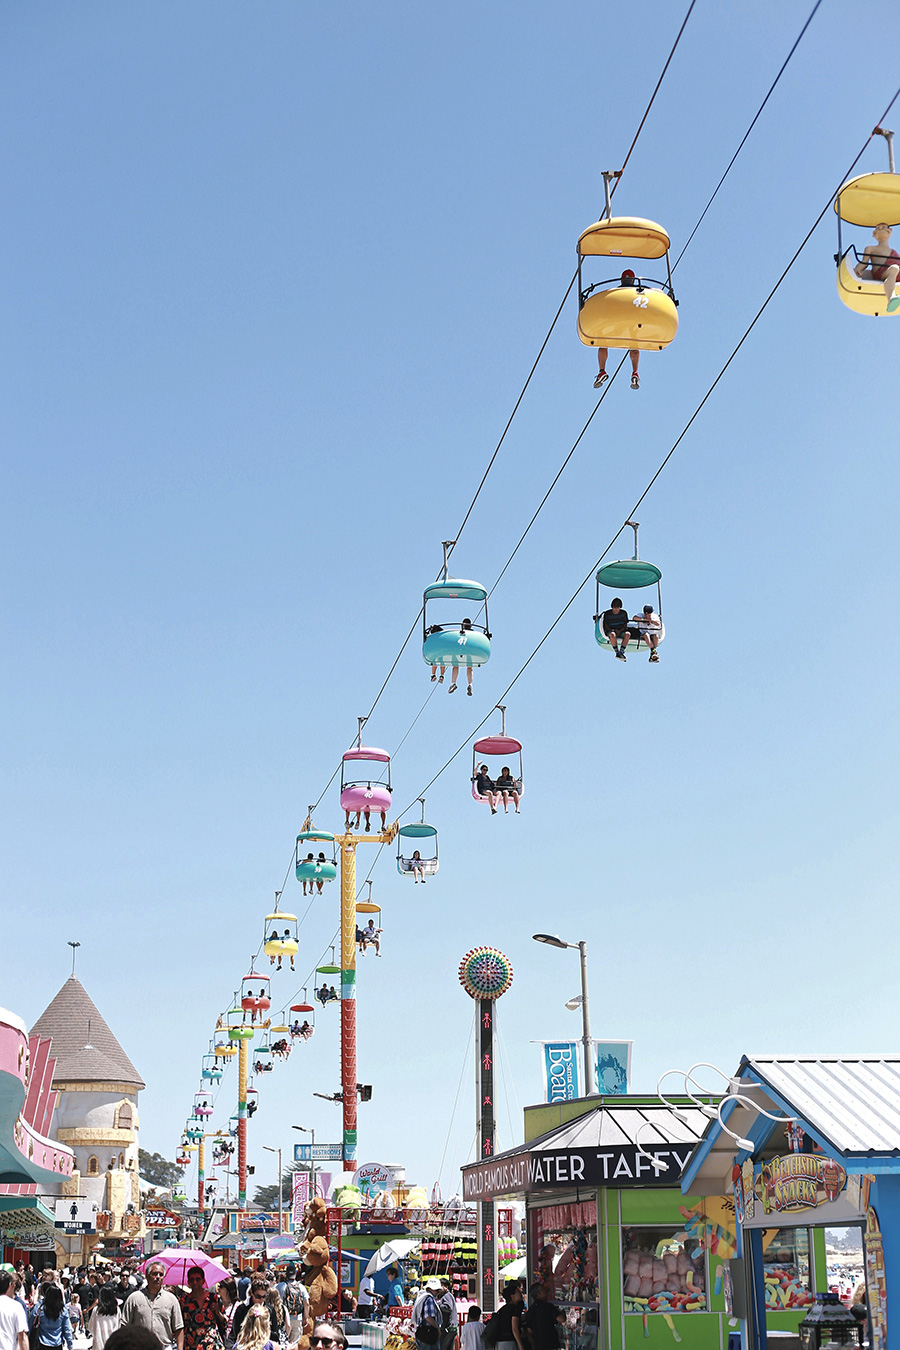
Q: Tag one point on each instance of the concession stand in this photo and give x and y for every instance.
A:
(801, 1143)
(622, 1251)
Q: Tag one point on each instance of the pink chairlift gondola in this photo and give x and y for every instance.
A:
(503, 749)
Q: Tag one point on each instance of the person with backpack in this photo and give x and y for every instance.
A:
(503, 1331)
(296, 1304)
(427, 1317)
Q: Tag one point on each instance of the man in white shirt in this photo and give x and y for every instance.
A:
(365, 1304)
(13, 1320)
(647, 627)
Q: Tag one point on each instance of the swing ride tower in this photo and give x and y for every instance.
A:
(486, 974)
(243, 1052)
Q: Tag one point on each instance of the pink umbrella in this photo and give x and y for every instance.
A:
(178, 1261)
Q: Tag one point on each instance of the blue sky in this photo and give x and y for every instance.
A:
(272, 278)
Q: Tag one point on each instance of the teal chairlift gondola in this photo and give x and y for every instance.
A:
(626, 575)
(456, 642)
(426, 845)
(313, 862)
(211, 1071)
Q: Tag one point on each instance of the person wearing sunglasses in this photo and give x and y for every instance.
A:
(327, 1335)
(204, 1320)
(259, 1287)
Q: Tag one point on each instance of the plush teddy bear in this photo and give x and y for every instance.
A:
(314, 1216)
(321, 1281)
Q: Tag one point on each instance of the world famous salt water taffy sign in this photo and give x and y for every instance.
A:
(798, 1181)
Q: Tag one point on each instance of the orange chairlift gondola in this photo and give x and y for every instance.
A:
(506, 751)
(626, 311)
(866, 281)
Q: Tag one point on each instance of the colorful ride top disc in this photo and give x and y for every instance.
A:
(485, 972)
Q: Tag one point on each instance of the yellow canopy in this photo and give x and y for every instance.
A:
(624, 237)
(870, 199)
(280, 914)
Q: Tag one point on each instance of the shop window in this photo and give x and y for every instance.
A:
(93, 1167)
(786, 1267)
(660, 1273)
(564, 1241)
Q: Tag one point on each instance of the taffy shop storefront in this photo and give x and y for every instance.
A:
(803, 1144)
(633, 1262)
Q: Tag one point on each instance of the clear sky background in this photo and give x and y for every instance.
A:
(272, 276)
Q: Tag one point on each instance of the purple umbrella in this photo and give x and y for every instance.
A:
(178, 1261)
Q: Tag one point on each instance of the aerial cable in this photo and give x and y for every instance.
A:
(759, 110)
(462, 1073)
(748, 330)
(523, 390)
(728, 168)
(653, 95)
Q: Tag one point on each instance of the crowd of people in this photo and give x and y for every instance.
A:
(123, 1308)
(513, 1327)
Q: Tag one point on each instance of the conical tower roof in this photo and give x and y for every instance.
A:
(86, 1050)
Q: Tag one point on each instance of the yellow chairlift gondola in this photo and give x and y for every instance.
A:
(280, 1037)
(625, 311)
(280, 937)
(370, 934)
(866, 281)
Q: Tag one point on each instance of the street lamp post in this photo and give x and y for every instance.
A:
(312, 1157)
(280, 1188)
(553, 940)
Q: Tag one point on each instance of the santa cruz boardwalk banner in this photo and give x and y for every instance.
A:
(619, 1165)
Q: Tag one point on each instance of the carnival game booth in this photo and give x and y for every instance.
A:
(621, 1251)
(801, 1143)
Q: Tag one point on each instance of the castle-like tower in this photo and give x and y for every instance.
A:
(96, 1111)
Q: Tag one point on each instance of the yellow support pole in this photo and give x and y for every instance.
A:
(348, 843)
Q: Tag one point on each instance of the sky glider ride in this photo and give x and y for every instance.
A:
(866, 281)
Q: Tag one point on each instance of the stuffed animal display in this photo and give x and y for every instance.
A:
(349, 1199)
(322, 1282)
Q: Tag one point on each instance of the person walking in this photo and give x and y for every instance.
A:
(449, 1316)
(427, 1317)
(296, 1304)
(204, 1321)
(13, 1318)
(506, 1331)
(156, 1309)
(105, 1318)
(542, 1320)
(49, 1319)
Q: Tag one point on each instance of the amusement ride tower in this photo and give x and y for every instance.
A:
(486, 974)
